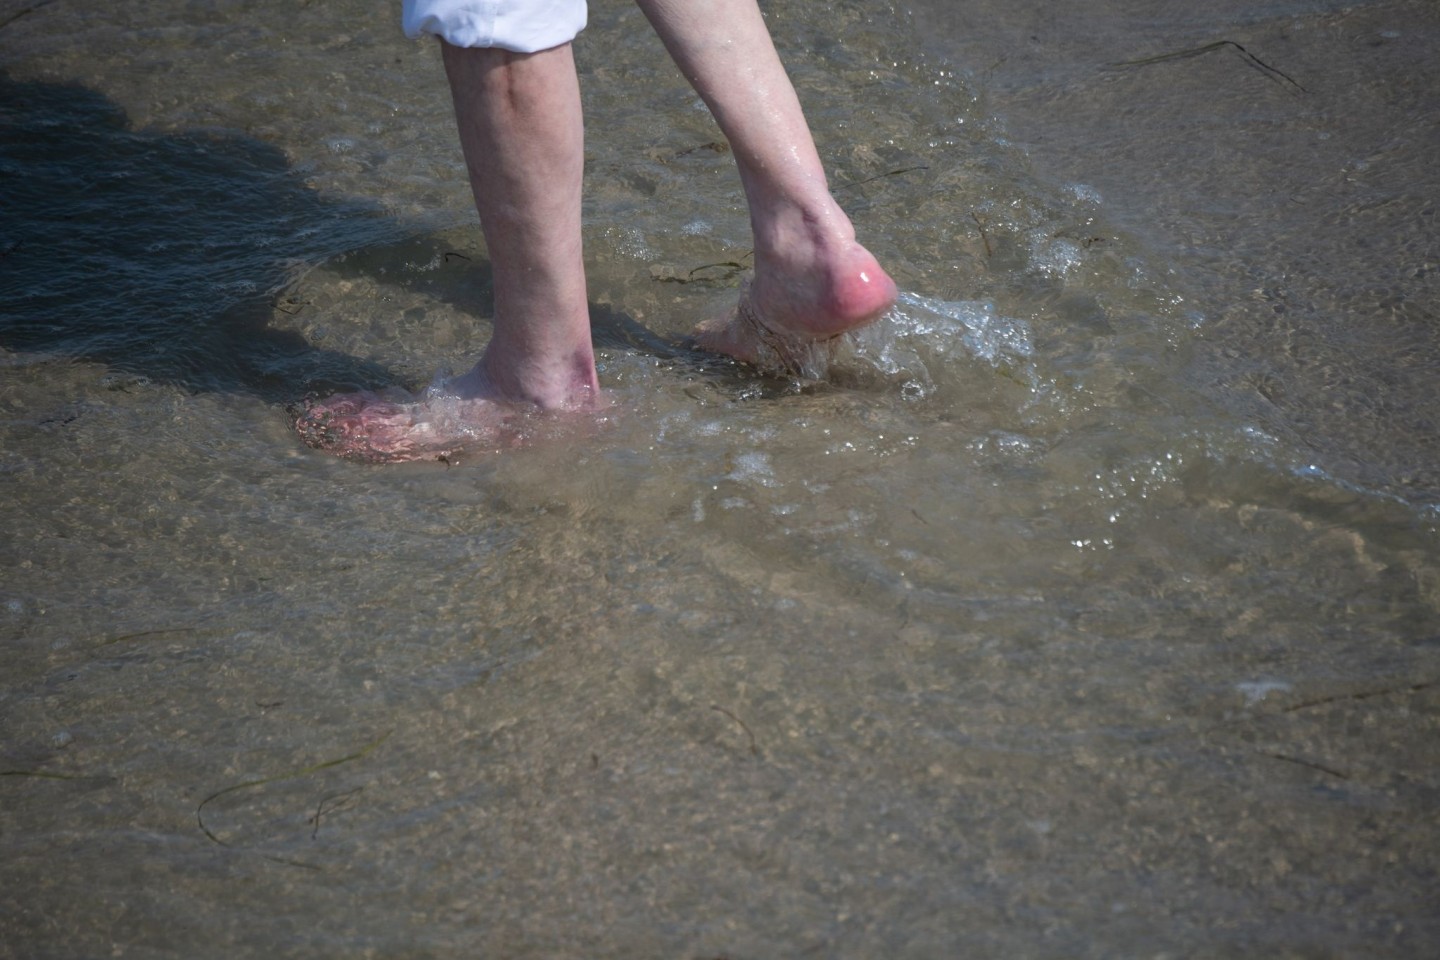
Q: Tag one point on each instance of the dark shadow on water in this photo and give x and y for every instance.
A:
(166, 256)
(433, 270)
(159, 254)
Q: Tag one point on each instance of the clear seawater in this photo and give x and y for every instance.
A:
(1089, 606)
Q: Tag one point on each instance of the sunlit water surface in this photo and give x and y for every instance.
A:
(1016, 630)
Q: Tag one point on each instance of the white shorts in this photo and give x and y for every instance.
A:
(524, 26)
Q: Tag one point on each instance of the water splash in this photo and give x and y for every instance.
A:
(920, 335)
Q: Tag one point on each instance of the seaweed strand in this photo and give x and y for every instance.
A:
(306, 771)
(1207, 48)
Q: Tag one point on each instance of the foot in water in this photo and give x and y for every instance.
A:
(775, 326)
(779, 320)
(494, 405)
(394, 427)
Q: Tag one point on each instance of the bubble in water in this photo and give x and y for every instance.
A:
(1057, 256)
(974, 325)
(753, 466)
(1256, 690)
(630, 242)
(919, 334)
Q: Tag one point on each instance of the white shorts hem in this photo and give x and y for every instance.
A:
(524, 26)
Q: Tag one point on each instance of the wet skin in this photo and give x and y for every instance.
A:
(521, 130)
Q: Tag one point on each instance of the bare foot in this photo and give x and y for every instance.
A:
(492, 405)
(798, 301)
(395, 427)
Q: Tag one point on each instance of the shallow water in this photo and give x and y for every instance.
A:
(1088, 607)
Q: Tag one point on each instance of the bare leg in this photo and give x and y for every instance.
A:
(521, 129)
(522, 134)
(812, 279)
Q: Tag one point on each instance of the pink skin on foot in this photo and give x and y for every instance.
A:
(368, 427)
(468, 412)
(776, 321)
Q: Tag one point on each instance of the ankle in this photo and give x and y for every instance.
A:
(550, 382)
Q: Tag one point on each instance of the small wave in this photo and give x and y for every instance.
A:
(919, 335)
